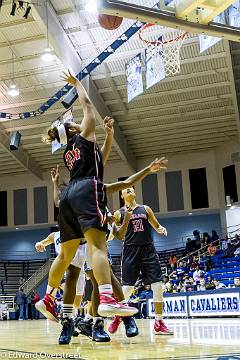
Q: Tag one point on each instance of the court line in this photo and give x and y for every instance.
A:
(190, 357)
(48, 355)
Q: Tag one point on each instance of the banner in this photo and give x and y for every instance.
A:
(206, 41)
(134, 77)
(155, 70)
(175, 306)
(234, 14)
(214, 304)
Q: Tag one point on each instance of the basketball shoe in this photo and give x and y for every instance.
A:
(47, 307)
(98, 333)
(112, 328)
(109, 307)
(130, 326)
(67, 331)
(161, 329)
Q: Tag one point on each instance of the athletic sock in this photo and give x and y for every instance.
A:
(51, 291)
(105, 289)
(158, 317)
(67, 311)
(88, 317)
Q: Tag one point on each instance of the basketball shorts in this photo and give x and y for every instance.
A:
(80, 257)
(80, 284)
(82, 206)
(136, 259)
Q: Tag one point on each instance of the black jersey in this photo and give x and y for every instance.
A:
(139, 229)
(83, 158)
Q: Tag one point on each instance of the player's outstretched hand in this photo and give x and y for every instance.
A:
(69, 78)
(39, 247)
(108, 123)
(55, 174)
(162, 230)
(158, 165)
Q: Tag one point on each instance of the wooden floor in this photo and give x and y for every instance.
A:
(193, 339)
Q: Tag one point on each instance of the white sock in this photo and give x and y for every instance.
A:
(67, 310)
(87, 317)
(106, 288)
(158, 317)
(51, 291)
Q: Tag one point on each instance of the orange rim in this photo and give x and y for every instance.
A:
(158, 42)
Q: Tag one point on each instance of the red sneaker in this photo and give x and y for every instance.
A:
(112, 328)
(161, 329)
(47, 307)
(109, 307)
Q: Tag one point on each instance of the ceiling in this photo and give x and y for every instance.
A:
(177, 115)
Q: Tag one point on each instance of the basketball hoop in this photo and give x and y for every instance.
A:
(168, 45)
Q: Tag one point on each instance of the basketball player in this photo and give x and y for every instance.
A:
(75, 268)
(139, 254)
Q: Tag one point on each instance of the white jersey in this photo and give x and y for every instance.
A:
(80, 256)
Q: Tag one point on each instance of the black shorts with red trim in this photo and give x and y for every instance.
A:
(82, 207)
(140, 259)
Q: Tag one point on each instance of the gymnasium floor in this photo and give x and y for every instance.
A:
(193, 339)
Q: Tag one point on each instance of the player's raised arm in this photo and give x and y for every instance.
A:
(155, 166)
(88, 123)
(40, 246)
(55, 181)
(154, 222)
(107, 145)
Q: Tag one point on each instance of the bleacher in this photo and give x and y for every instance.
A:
(12, 270)
(225, 269)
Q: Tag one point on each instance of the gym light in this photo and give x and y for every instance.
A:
(91, 6)
(13, 91)
(47, 56)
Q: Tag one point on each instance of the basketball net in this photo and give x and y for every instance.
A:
(168, 45)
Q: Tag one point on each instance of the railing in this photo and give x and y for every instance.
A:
(19, 256)
(8, 300)
(37, 277)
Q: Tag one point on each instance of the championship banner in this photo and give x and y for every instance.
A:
(214, 304)
(205, 41)
(155, 70)
(134, 77)
(175, 306)
(234, 14)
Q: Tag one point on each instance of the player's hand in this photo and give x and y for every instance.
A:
(162, 231)
(128, 209)
(108, 125)
(40, 247)
(55, 174)
(158, 165)
(69, 78)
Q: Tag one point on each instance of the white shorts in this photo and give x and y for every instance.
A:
(80, 284)
(80, 257)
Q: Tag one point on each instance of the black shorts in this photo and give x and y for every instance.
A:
(144, 259)
(82, 206)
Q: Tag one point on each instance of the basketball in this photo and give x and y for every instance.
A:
(109, 22)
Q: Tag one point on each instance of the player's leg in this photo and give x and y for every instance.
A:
(130, 272)
(98, 251)
(151, 272)
(47, 305)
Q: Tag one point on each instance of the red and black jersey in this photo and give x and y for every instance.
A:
(83, 158)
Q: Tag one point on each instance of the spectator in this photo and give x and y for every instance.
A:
(34, 299)
(27, 302)
(212, 250)
(215, 237)
(146, 293)
(206, 240)
(4, 313)
(181, 269)
(197, 240)
(202, 285)
(208, 264)
(237, 282)
(218, 284)
(195, 263)
(224, 243)
(190, 246)
(210, 283)
(197, 275)
(173, 261)
(20, 299)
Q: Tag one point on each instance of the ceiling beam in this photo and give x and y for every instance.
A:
(22, 41)
(69, 57)
(19, 155)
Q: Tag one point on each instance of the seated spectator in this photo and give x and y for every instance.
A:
(212, 250)
(210, 283)
(233, 245)
(173, 261)
(224, 243)
(208, 264)
(173, 275)
(197, 275)
(215, 237)
(237, 282)
(181, 268)
(146, 293)
(202, 285)
(195, 263)
(218, 284)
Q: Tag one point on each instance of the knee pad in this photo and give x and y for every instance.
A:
(157, 289)
(127, 291)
